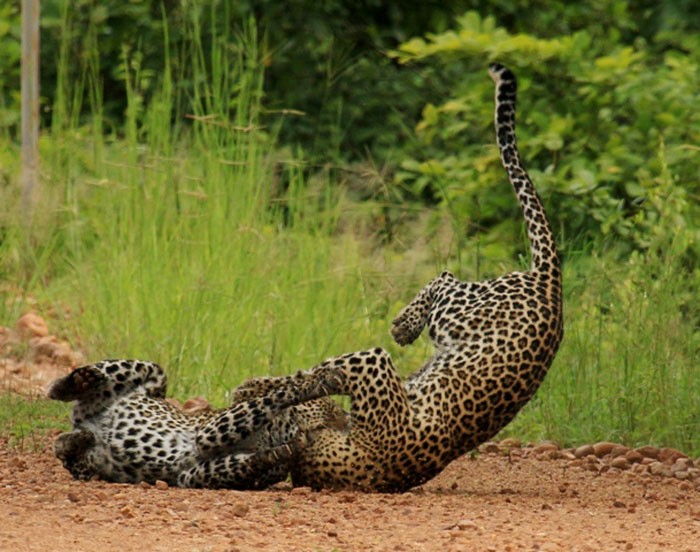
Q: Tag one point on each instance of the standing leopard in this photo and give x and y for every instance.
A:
(495, 341)
(124, 431)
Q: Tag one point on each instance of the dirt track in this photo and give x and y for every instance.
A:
(509, 498)
(497, 502)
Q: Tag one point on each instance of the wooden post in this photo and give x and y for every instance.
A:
(30, 105)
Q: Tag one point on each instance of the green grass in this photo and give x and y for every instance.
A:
(627, 368)
(194, 243)
(25, 423)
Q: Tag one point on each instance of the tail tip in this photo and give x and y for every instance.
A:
(500, 73)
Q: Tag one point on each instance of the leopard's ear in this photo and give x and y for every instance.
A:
(77, 384)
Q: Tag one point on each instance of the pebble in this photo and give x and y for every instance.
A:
(545, 447)
(240, 509)
(648, 451)
(161, 485)
(466, 524)
(126, 512)
(32, 325)
(606, 457)
(620, 462)
(583, 451)
(669, 455)
(657, 468)
(633, 457)
(489, 447)
(603, 448)
(619, 450)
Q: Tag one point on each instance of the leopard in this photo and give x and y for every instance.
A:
(125, 431)
(494, 342)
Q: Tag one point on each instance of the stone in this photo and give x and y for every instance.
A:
(32, 325)
(669, 455)
(648, 451)
(603, 448)
(620, 462)
(583, 451)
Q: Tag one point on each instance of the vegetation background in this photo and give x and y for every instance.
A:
(245, 188)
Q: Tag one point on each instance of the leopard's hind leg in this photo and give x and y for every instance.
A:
(243, 471)
(377, 400)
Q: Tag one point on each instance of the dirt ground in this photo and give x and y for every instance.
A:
(509, 497)
(497, 502)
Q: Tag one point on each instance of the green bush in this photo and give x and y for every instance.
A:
(609, 131)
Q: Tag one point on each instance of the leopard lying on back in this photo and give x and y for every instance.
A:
(495, 342)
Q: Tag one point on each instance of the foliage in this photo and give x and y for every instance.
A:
(601, 123)
(176, 243)
(10, 54)
(326, 66)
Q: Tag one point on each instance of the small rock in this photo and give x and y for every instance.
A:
(240, 509)
(332, 533)
(489, 447)
(583, 451)
(567, 455)
(73, 497)
(620, 462)
(619, 504)
(619, 450)
(648, 451)
(32, 325)
(546, 447)
(669, 455)
(126, 512)
(603, 448)
(657, 468)
(682, 464)
(466, 524)
(633, 457)
(161, 485)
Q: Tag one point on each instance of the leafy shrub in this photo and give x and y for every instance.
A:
(608, 130)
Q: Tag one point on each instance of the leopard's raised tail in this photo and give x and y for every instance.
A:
(545, 260)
